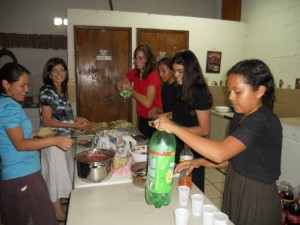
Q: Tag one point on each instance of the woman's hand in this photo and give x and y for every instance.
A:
(35, 133)
(119, 84)
(126, 85)
(82, 125)
(81, 119)
(63, 142)
(189, 165)
(164, 124)
(154, 113)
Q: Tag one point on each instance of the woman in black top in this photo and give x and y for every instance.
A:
(192, 105)
(252, 150)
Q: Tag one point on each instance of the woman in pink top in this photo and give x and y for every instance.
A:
(144, 83)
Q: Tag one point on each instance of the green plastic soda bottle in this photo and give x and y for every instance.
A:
(161, 164)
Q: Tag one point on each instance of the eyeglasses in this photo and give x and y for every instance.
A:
(58, 71)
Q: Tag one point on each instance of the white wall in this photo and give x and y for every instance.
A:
(273, 35)
(36, 17)
(34, 60)
(205, 34)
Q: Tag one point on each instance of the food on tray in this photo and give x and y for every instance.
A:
(93, 130)
(117, 124)
(45, 132)
(121, 124)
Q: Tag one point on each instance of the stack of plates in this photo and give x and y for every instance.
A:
(223, 109)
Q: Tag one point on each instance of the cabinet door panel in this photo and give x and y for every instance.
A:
(103, 55)
(163, 41)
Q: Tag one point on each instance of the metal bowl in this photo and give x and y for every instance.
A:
(95, 164)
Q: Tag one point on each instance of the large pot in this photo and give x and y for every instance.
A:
(94, 164)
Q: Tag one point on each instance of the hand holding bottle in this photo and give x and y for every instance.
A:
(184, 178)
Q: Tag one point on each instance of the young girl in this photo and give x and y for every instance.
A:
(24, 192)
(252, 149)
(165, 71)
(146, 86)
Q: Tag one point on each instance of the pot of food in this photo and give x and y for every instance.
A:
(94, 164)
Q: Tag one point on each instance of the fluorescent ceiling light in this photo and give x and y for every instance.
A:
(57, 21)
(65, 21)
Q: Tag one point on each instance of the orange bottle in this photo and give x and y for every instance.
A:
(185, 180)
(186, 154)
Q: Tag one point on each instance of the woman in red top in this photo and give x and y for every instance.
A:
(144, 83)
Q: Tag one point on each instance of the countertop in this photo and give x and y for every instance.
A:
(112, 179)
(291, 120)
(124, 204)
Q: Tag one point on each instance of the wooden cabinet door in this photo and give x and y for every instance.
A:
(163, 42)
(231, 10)
(102, 56)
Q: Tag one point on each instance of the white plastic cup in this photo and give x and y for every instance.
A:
(183, 193)
(197, 203)
(208, 211)
(220, 218)
(181, 216)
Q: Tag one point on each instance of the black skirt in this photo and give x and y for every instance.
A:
(24, 198)
(250, 202)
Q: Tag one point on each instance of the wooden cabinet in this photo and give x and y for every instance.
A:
(163, 42)
(231, 10)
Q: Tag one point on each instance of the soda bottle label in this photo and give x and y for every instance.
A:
(160, 171)
(185, 157)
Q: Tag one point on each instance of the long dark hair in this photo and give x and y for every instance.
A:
(47, 71)
(256, 73)
(150, 64)
(193, 79)
(11, 72)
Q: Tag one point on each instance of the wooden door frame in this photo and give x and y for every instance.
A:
(77, 27)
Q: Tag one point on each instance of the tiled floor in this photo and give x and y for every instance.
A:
(214, 185)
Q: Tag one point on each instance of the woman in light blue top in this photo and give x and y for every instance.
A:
(24, 194)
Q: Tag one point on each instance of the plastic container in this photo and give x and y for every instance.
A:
(139, 153)
(161, 157)
(287, 196)
(186, 154)
(293, 217)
